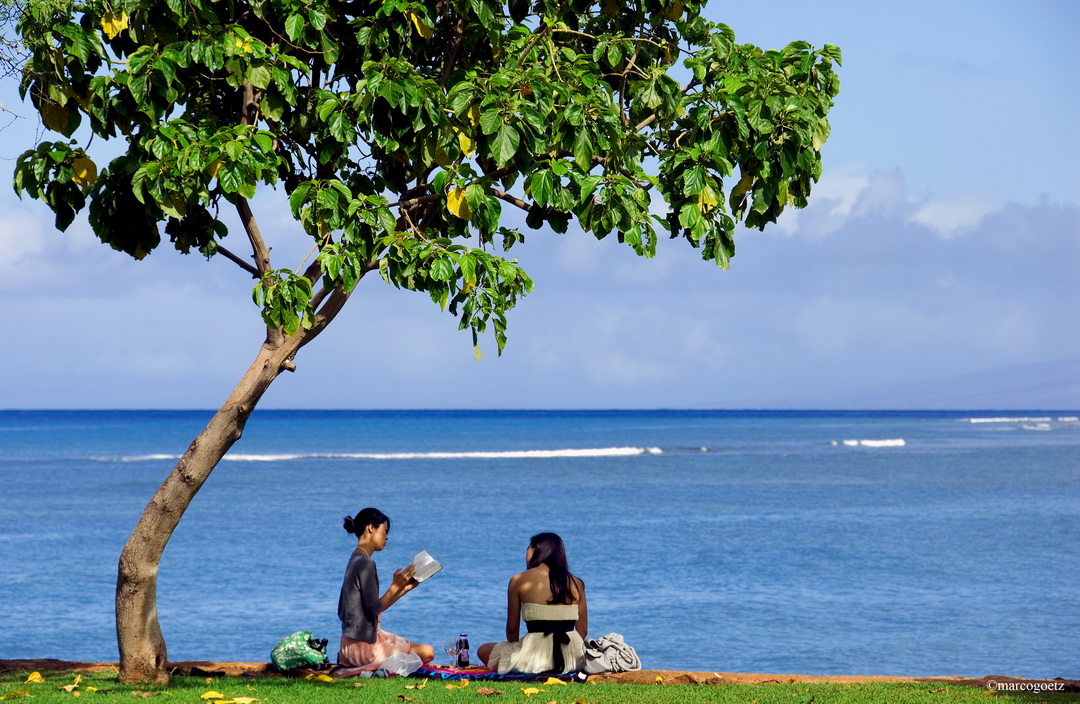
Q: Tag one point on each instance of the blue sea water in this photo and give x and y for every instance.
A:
(891, 543)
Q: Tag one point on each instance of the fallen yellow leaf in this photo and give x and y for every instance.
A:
(553, 680)
(659, 679)
(68, 687)
(212, 695)
(529, 691)
(457, 204)
(35, 677)
(24, 692)
(318, 678)
(113, 24)
(246, 700)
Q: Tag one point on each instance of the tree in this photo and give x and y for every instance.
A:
(400, 132)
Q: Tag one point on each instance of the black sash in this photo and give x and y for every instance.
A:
(560, 636)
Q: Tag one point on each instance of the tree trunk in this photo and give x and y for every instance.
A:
(143, 654)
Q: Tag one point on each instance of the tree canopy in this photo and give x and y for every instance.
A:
(401, 130)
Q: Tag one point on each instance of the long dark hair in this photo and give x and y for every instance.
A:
(367, 517)
(548, 549)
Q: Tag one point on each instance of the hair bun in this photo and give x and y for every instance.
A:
(349, 526)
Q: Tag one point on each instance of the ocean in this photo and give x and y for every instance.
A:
(820, 543)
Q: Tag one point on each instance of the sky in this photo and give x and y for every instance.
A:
(943, 241)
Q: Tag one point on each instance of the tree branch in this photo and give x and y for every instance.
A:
(529, 47)
(513, 200)
(327, 312)
(451, 57)
(652, 118)
(239, 262)
(259, 251)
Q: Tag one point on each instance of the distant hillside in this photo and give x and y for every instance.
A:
(1049, 386)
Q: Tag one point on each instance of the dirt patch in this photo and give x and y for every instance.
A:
(989, 682)
(193, 667)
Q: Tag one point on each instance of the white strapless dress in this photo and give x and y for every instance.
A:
(534, 652)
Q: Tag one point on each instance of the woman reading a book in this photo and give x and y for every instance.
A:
(552, 602)
(364, 644)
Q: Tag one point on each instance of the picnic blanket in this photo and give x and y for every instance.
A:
(443, 672)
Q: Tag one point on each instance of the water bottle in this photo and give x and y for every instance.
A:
(463, 651)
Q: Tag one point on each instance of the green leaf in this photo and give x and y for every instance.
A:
(583, 150)
(259, 77)
(294, 27)
(490, 121)
(542, 186)
(231, 177)
(694, 179)
(506, 144)
(833, 52)
(442, 269)
(298, 197)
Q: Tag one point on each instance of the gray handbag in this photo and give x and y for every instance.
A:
(608, 654)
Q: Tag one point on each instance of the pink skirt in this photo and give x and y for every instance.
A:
(357, 656)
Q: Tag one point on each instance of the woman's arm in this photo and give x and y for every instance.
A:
(403, 583)
(513, 609)
(582, 610)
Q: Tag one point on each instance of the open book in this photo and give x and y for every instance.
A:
(425, 565)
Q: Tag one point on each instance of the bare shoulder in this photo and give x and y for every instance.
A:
(522, 579)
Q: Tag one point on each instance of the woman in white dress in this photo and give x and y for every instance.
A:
(552, 603)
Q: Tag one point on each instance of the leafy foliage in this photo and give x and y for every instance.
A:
(401, 130)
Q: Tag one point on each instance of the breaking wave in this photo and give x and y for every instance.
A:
(894, 442)
(474, 455)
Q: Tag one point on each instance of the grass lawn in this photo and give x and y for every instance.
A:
(103, 688)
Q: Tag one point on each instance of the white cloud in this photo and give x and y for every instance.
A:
(21, 239)
(955, 215)
(832, 199)
(848, 193)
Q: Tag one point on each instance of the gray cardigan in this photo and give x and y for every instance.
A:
(359, 604)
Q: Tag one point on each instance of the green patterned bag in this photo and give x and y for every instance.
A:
(299, 650)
